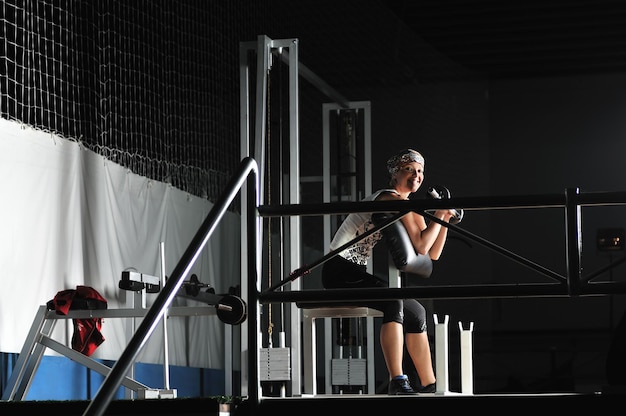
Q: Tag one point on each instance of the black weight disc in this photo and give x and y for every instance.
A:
(231, 310)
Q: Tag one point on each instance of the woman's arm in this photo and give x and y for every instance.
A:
(427, 239)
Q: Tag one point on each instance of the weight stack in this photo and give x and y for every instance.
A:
(349, 371)
(274, 364)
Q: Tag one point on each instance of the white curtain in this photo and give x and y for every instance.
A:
(70, 217)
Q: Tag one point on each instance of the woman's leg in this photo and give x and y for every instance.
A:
(417, 343)
(341, 273)
(418, 346)
(392, 345)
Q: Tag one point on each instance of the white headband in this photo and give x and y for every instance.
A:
(402, 158)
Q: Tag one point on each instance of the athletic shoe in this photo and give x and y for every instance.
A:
(431, 388)
(400, 386)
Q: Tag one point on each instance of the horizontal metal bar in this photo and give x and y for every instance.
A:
(600, 198)
(467, 203)
(514, 290)
(511, 202)
(131, 312)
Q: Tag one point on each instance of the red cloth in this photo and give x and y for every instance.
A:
(87, 336)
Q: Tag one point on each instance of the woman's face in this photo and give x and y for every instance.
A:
(409, 177)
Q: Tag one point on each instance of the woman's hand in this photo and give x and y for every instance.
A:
(445, 214)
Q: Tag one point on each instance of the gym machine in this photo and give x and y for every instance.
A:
(229, 308)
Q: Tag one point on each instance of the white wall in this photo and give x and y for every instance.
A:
(70, 217)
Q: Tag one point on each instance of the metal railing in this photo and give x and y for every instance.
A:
(573, 283)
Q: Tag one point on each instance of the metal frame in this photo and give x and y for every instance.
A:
(264, 48)
(253, 145)
(40, 337)
(310, 371)
(572, 284)
(309, 343)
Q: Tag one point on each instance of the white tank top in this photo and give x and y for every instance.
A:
(353, 226)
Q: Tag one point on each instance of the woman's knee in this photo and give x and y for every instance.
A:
(393, 311)
(414, 317)
(415, 326)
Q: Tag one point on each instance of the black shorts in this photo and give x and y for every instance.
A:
(339, 273)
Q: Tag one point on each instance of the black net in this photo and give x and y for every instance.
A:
(152, 85)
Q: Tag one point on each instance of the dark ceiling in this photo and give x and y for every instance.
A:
(391, 42)
(513, 38)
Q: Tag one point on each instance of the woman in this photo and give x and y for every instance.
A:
(404, 321)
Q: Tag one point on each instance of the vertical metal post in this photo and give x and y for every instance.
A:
(467, 371)
(371, 369)
(441, 354)
(263, 66)
(254, 315)
(328, 355)
(574, 240)
(245, 143)
(309, 356)
(166, 358)
(292, 258)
